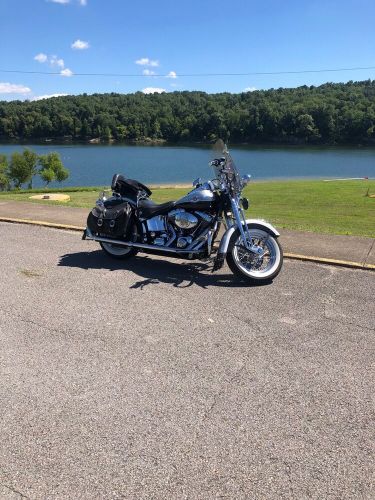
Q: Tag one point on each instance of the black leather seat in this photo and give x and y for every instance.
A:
(148, 208)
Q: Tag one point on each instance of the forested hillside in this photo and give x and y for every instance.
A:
(328, 114)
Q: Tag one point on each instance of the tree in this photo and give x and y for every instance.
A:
(52, 168)
(31, 160)
(21, 169)
(330, 113)
(47, 175)
(306, 126)
(4, 179)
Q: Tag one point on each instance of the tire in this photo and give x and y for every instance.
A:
(252, 270)
(118, 251)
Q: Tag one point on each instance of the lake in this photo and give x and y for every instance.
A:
(94, 164)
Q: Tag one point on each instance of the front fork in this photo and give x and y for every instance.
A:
(240, 219)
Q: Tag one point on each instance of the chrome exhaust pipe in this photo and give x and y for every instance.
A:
(89, 236)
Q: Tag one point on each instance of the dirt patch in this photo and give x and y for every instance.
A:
(50, 197)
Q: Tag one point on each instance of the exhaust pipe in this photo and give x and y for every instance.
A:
(87, 235)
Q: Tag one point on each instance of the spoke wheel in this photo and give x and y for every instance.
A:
(249, 266)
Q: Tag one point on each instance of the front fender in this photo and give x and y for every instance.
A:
(252, 223)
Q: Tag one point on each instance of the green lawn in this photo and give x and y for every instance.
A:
(340, 207)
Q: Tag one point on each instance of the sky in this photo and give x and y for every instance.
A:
(173, 38)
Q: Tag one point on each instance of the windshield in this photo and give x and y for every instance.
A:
(227, 169)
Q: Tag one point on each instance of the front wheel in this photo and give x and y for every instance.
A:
(249, 266)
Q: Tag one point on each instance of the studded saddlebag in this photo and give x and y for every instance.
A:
(112, 221)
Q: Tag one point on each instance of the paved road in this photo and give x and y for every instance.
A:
(158, 380)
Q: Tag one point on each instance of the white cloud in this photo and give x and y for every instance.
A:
(153, 90)
(80, 45)
(13, 88)
(249, 89)
(145, 61)
(148, 72)
(48, 96)
(42, 58)
(51, 60)
(66, 72)
(55, 61)
(83, 3)
(172, 74)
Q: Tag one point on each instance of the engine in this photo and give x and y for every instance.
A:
(182, 219)
(178, 228)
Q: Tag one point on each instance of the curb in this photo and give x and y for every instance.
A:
(292, 256)
(42, 223)
(332, 262)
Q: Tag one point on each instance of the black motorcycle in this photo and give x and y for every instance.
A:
(129, 222)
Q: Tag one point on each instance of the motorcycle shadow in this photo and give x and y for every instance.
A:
(178, 273)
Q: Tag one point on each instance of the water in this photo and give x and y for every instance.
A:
(94, 164)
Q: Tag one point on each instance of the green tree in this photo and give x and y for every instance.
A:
(306, 126)
(31, 160)
(47, 175)
(52, 168)
(21, 169)
(4, 179)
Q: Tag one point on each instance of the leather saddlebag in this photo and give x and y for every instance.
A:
(110, 221)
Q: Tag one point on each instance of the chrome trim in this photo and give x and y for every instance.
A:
(209, 241)
(199, 241)
(156, 224)
(90, 236)
(172, 238)
(203, 215)
(185, 220)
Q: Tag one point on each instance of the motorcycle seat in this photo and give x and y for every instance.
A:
(148, 208)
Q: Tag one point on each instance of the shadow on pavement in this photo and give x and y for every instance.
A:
(180, 274)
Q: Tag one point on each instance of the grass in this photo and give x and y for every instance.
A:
(337, 207)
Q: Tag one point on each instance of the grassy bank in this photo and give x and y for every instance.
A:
(338, 207)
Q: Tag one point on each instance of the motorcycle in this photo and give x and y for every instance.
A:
(129, 222)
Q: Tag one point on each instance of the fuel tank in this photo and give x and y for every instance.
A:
(200, 198)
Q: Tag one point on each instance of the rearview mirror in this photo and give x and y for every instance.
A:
(246, 179)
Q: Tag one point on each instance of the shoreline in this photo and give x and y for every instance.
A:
(34, 141)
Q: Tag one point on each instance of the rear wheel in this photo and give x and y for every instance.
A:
(251, 267)
(118, 251)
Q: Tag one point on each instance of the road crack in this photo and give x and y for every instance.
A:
(348, 323)
(14, 490)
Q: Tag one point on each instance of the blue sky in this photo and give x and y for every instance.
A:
(172, 38)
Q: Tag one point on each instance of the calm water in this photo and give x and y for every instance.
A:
(94, 165)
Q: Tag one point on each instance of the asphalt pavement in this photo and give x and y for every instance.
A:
(156, 379)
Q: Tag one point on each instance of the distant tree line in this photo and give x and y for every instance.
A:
(329, 114)
(23, 167)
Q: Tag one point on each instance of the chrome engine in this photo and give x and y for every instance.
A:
(178, 228)
(182, 219)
